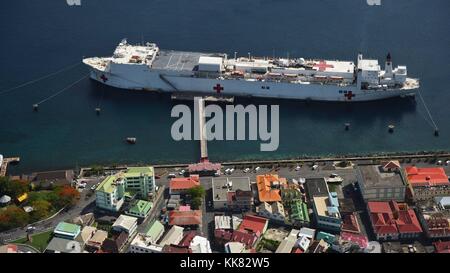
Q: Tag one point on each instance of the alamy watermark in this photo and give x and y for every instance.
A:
(73, 2)
(213, 128)
(373, 2)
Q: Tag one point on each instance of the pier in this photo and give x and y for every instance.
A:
(202, 133)
(6, 162)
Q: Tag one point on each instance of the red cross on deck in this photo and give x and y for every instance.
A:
(104, 78)
(322, 65)
(349, 95)
(218, 88)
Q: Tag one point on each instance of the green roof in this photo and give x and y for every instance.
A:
(67, 228)
(299, 211)
(327, 237)
(107, 184)
(154, 229)
(141, 207)
(137, 171)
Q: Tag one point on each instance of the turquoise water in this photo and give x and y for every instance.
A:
(39, 37)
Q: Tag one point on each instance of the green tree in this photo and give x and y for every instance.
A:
(196, 202)
(13, 217)
(13, 188)
(41, 210)
(197, 191)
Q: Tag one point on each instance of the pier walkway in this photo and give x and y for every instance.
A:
(202, 133)
(5, 163)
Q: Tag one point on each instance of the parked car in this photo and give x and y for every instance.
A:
(257, 169)
(315, 167)
(182, 172)
(171, 175)
(246, 170)
(297, 168)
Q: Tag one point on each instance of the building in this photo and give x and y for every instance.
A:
(96, 241)
(204, 168)
(85, 234)
(226, 222)
(442, 247)
(234, 247)
(307, 232)
(381, 182)
(176, 249)
(274, 211)
(47, 180)
(247, 238)
(232, 193)
(62, 245)
(136, 181)
(182, 184)
(288, 243)
(9, 248)
(269, 187)
(191, 218)
(127, 224)
(350, 242)
(434, 216)
(315, 187)
(200, 244)
(116, 244)
(154, 231)
(140, 209)
(426, 183)
(299, 214)
(144, 244)
(254, 224)
(326, 211)
(393, 221)
(67, 230)
(350, 223)
(173, 236)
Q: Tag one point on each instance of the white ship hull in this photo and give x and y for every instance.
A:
(145, 67)
(151, 81)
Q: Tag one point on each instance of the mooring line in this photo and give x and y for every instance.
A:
(39, 79)
(62, 90)
(428, 111)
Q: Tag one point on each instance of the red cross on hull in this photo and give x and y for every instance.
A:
(349, 95)
(104, 78)
(322, 65)
(218, 88)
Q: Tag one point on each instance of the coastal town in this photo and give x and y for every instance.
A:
(398, 204)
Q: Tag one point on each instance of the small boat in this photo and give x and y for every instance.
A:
(131, 140)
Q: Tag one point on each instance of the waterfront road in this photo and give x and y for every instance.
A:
(85, 205)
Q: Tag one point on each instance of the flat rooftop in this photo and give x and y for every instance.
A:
(373, 176)
(221, 186)
(179, 60)
(316, 187)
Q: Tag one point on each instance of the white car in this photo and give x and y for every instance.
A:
(231, 170)
(227, 171)
(246, 170)
(93, 187)
(297, 168)
(257, 169)
(171, 175)
(314, 167)
(182, 172)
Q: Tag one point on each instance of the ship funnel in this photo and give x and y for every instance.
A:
(388, 66)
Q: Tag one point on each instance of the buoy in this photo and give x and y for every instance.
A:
(436, 132)
(131, 140)
(35, 107)
(97, 110)
(347, 126)
(391, 128)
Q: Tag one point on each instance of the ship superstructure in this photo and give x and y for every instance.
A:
(146, 67)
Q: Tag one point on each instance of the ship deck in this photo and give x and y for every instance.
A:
(178, 60)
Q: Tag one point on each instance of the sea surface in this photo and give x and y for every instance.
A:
(40, 37)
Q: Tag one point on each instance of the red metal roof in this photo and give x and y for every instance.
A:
(442, 247)
(391, 218)
(247, 238)
(187, 239)
(358, 239)
(426, 176)
(184, 183)
(205, 165)
(254, 224)
(185, 218)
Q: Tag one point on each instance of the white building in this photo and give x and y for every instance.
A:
(173, 236)
(234, 247)
(144, 244)
(200, 244)
(125, 223)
